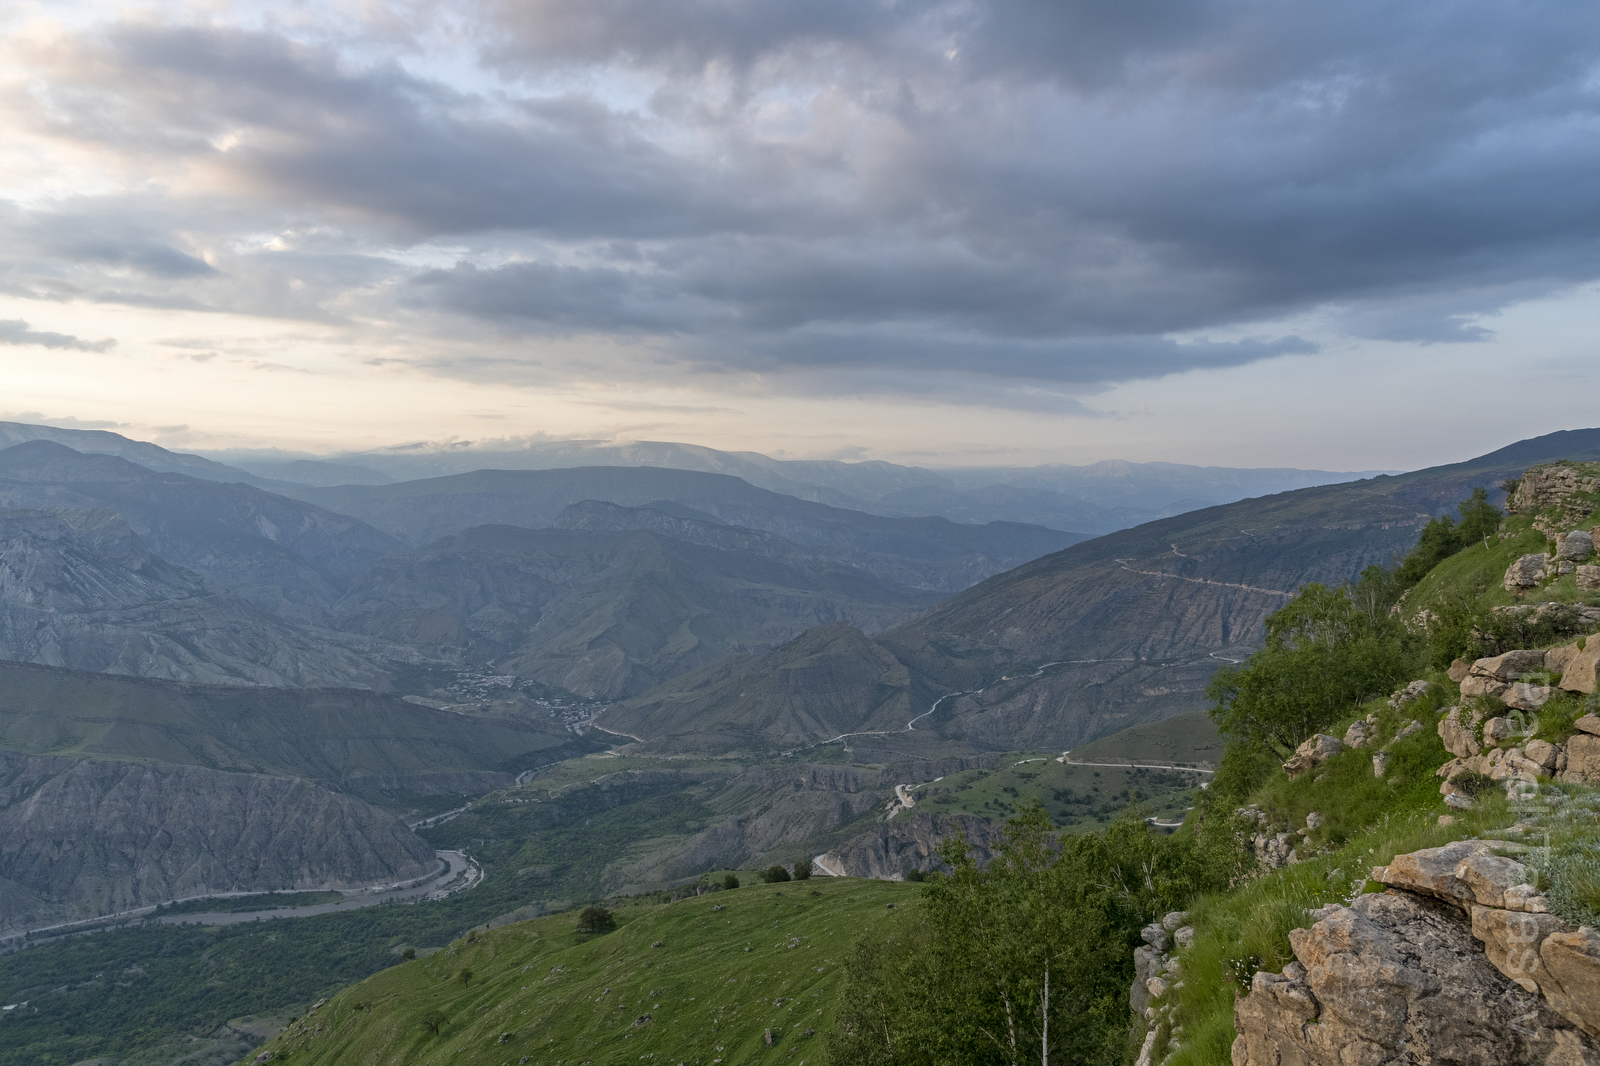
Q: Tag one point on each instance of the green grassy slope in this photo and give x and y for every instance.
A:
(683, 982)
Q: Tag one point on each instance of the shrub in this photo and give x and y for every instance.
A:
(729, 881)
(464, 975)
(775, 875)
(408, 954)
(596, 920)
(802, 870)
(434, 1020)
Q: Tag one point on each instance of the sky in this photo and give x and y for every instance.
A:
(1345, 236)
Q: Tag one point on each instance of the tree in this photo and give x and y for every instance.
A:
(596, 920)
(464, 975)
(775, 875)
(434, 1020)
(802, 870)
(1322, 654)
(1443, 537)
(408, 954)
(730, 881)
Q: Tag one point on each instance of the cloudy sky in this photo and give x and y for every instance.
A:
(1351, 235)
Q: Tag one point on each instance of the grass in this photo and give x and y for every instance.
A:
(682, 982)
(1079, 799)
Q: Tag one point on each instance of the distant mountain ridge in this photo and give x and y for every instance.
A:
(1103, 635)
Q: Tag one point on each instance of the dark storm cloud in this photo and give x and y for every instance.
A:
(1041, 189)
(16, 331)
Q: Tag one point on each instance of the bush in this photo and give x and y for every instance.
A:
(408, 954)
(596, 920)
(729, 881)
(775, 875)
(802, 870)
(464, 975)
(434, 1020)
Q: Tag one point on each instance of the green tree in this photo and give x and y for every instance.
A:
(730, 881)
(464, 975)
(596, 920)
(775, 875)
(802, 870)
(434, 1020)
(1322, 654)
(1028, 958)
(408, 954)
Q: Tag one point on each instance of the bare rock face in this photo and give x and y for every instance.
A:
(1571, 979)
(1397, 979)
(86, 837)
(1588, 577)
(1312, 754)
(1526, 572)
(1583, 760)
(1581, 670)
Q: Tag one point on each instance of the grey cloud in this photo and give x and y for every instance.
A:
(16, 331)
(1038, 189)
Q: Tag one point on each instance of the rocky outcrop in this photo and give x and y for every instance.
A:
(81, 838)
(911, 842)
(1526, 573)
(1553, 494)
(1398, 978)
(1312, 754)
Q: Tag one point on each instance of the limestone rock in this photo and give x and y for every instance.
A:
(1556, 659)
(1509, 666)
(1146, 965)
(1459, 731)
(1410, 694)
(1575, 546)
(1483, 686)
(1511, 940)
(1572, 970)
(1588, 577)
(1582, 672)
(1543, 753)
(1312, 754)
(1583, 760)
(1526, 572)
(1459, 670)
(1358, 735)
(1527, 697)
(1174, 920)
(1464, 872)
(1589, 723)
(1497, 730)
(1184, 938)
(1397, 979)
(1380, 764)
(1154, 935)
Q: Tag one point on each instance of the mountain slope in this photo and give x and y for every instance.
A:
(1123, 629)
(617, 599)
(78, 589)
(350, 738)
(927, 553)
(283, 555)
(136, 834)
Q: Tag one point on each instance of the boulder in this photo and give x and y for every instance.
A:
(1380, 764)
(1184, 938)
(1483, 686)
(1155, 936)
(1312, 754)
(1146, 964)
(1510, 666)
(1523, 696)
(1174, 920)
(1589, 723)
(1358, 735)
(1556, 659)
(1511, 939)
(1583, 760)
(1412, 692)
(1582, 671)
(1588, 577)
(1526, 572)
(1571, 962)
(1459, 731)
(1397, 979)
(1543, 753)
(1459, 670)
(1497, 731)
(1575, 546)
